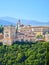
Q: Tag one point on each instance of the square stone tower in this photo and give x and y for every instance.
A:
(9, 35)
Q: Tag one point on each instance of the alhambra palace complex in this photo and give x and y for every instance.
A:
(24, 33)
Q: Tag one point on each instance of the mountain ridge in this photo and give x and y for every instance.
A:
(13, 21)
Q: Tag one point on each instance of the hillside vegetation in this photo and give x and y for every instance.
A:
(23, 54)
(47, 55)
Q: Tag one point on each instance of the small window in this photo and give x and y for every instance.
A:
(7, 35)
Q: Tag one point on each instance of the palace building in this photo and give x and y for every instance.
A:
(24, 33)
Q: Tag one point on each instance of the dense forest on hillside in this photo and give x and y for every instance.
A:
(23, 54)
(47, 55)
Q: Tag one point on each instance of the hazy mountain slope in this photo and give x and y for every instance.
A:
(35, 23)
(13, 21)
(4, 22)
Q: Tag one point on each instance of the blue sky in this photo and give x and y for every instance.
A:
(25, 9)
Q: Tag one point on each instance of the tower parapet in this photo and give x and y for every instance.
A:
(19, 25)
